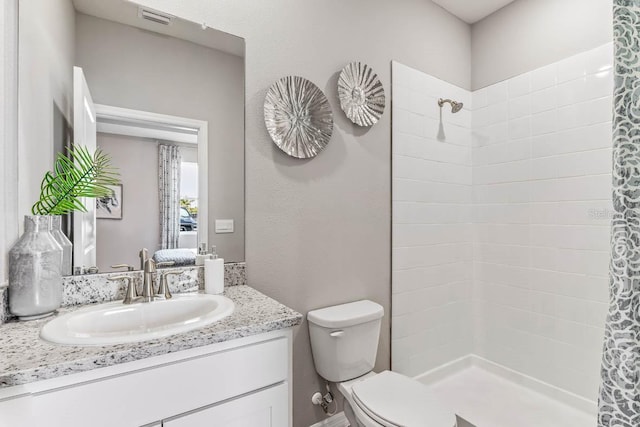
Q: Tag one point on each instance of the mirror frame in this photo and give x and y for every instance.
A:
(135, 117)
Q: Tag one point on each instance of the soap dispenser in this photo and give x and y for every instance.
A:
(202, 254)
(214, 273)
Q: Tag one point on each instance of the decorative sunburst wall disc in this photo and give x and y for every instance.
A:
(298, 117)
(361, 94)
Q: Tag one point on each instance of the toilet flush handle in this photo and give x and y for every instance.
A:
(337, 334)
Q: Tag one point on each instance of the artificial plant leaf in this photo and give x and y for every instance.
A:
(81, 174)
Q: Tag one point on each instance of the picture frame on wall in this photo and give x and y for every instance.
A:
(110, 207)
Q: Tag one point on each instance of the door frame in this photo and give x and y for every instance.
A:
(134, 118)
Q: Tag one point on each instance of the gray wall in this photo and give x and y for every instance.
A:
(529, 34)
(131, 68)
(120, 240)
(318, 231)
(46, 59)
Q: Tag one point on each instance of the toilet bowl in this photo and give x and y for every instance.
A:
(389, 399)
(344, 342)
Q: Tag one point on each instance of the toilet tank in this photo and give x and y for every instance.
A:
(344, 339)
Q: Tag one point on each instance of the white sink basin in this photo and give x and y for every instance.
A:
(117, 323)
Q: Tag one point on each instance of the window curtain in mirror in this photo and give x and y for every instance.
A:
(169, 181)
(619, 400)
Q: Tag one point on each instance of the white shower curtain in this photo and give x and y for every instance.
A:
(169, 182)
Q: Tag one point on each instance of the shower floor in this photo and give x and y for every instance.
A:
(488, 400)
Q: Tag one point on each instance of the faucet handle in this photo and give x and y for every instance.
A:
(163, 288)
(149, 266)
(131, 294)
(127, 266)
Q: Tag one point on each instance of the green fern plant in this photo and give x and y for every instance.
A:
(80, 174)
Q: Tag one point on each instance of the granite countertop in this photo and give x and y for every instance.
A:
(25, 358)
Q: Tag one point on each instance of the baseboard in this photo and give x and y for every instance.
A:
(337, 420)
(532, 383)
(535, 384)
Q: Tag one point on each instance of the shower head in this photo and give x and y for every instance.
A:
(455, 106)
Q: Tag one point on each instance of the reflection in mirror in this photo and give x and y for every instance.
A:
(168, 99)
(153, 151)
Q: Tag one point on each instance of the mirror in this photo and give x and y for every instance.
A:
(164, 98)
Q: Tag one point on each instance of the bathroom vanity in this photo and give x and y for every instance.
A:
(235, 372)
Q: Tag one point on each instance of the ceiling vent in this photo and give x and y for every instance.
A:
(155, 16)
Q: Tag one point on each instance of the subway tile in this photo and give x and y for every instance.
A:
(426, 256)
(451, 134)
(572, 92)
(428, 149)
(402, 75)
(519, 85)
(594, 238)
(519, 107)
(502, 193)
(502, 172)
(595, 162)
(434, 171)
(401, 97)
(544, 77)
(504, 152)
(597, 212)
(480, 99)
(594, 263)
(430, 234)
(599, 59)
(410, 212)
(517, 256)
(437, 275)
(421, 104)
(545, 168)
(430, 192)
(520, 128)
(585, 138)
(504, 214)
(497, 93)
(572, 68)
(543, 123)
(545, 145)
(503, 274)
(582, 188)
(544, 100)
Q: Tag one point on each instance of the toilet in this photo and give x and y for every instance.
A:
(344, 343)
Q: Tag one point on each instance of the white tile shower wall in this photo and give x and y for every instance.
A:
(432, 223)
(541, 192)
(501, 235)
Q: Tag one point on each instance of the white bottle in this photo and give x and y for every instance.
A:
(202, 254)
(214, 274)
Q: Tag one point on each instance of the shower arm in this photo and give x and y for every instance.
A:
(455, 106)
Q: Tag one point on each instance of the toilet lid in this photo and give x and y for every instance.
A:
(394, 400)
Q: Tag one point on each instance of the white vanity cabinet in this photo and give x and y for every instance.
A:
(244, 382)
(266, 408)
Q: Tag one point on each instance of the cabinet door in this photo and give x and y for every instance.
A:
(266, 408)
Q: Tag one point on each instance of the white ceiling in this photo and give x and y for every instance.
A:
(126, 12)
(471, 11)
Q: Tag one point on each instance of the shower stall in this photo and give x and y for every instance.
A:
(501, 223)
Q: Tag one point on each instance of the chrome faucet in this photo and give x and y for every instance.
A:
(148, 280)
(130, 295)
(144, 256)
(163, 288)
